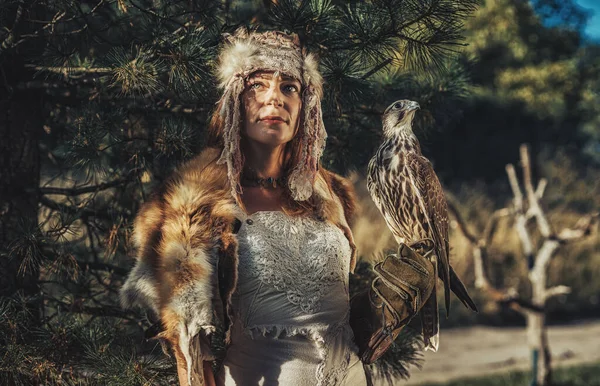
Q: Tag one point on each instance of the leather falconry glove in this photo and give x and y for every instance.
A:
(402, 284)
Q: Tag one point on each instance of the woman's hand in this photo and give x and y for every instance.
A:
(402, 284)
(209, 376)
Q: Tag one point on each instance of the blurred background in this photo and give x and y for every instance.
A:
(101, 99)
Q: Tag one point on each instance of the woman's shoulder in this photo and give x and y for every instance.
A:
(203, 166)
(199, 178)
(343, 189)
(200, 172)
(198, 183)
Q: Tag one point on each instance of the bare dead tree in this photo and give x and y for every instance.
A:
(526, 207)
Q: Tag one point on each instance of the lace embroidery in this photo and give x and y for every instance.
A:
(332, 368)
(330, 374)
(302, 258)
(299, 256)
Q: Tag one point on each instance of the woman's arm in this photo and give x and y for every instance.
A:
(209, 376)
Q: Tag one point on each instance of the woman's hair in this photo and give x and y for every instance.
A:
(243, 54)
(292, 158)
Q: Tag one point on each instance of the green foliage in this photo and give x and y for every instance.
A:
(127, 88)
(571, 193)
(353, 134)
(536, 84)
(531, 83)
(582, 375)
(405, 353)
(72, 350)
(28, 246)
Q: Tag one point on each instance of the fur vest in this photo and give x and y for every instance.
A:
(186, 246)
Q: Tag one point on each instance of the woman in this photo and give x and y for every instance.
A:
(251, 236)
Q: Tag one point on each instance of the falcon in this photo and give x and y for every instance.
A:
(407, 192)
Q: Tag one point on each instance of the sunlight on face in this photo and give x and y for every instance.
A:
(271, 108)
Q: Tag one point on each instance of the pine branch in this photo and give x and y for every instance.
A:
(405, 352)
(85, 265)
(96, 33)
(83, 213)
(83, 190)
(8, 41)
(58, 17)
(377, 68)
(130, 86)
(66, 71)
(151, 12)
(105, 311)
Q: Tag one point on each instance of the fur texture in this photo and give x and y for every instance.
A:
(247, 52)
(186, 247)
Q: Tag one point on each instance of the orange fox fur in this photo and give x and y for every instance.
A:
(184, 236)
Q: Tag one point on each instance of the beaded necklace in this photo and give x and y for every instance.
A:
(248, 178)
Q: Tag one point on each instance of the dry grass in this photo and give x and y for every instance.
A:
(576, 265)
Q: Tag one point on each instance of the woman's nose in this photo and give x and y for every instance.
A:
(273, 95)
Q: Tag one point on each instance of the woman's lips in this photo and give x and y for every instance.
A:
(272, 120)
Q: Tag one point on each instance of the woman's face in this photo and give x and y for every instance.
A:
(271, 106)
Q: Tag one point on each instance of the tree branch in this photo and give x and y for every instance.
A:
(584, 228)
(492, 224)
(460, 221)
(110, 311)
(532, 198)
(83, 213)
(521, 216)
(514, 185)
(84, 265)
(481, 280)
(377, 68)
(542, 259)
(8, 42)
(67, 70)
(541, 188)
(82, 190)
(556, 291)
(479, 250)
(512, 299)
(508, 297)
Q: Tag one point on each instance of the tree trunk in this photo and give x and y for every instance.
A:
(540, 352)
(538, 260)
(20, 124)
(536, 321)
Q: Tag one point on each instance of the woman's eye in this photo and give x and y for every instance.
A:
(290, 88)
(254, 86)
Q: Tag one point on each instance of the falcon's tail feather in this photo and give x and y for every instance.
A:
(430, 319)
(430, 323)
(444, 273)
(461, 292)
(447, 279)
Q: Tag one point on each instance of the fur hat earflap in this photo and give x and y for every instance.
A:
(247, 52)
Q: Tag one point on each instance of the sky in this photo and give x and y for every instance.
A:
(593, 27)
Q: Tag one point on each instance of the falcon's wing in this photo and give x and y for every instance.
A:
(436, 210)
(371, 183)
(378, 169)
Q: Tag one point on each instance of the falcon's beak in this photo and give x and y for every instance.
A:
(412, 105)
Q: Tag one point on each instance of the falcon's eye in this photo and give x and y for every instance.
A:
(397, 106)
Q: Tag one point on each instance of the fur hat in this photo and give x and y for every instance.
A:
(247, 52)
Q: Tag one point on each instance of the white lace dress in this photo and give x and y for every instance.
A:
(290, 308)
